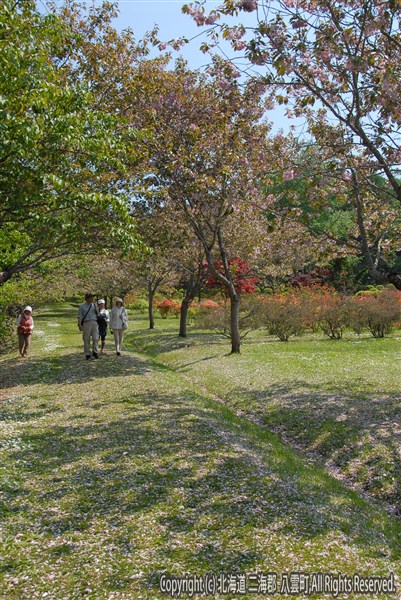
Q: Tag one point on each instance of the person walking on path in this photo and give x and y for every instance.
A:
(87, 323)
(118, 324)
(24, 328)
(102, 321)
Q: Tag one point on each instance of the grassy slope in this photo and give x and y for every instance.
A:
(116, 470)
(338, 401)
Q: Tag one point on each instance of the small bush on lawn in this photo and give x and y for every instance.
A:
(314, 308)
(208, 304)
(196, 307)
(166, 306)
(377, 312)
(192, 313)
(313, 299)
(357, 318)
(283, 316)
(140, 304)
(333, 317)
(217, 318)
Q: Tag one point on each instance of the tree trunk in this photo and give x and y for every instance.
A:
(183, 317)
(4, 276)
(234, 323)
(372, 265)
(395, 279)
(193, 289)
(151, 316)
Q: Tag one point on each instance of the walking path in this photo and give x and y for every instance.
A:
(118, 470)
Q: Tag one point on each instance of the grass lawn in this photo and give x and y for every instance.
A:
(338, 401)
(116, 471)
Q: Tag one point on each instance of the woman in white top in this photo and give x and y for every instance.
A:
(118, 324)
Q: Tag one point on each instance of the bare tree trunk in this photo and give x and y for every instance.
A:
(372, 264)
(183, 317)
(395, 279)
(152, 284)
(193, 289)
(4, 276)
(150, 309)
(234, 298)
(234, 323)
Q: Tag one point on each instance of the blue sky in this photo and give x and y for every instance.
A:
(142, 15)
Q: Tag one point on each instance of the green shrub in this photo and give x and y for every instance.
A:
(217, 318)
(283, 316)
(377, 312)
(7, 332)
(139, 304)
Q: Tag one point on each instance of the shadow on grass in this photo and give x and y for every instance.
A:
(60, 310)
(359, 436)
(69, 368)
(168, 462)
(157, 342)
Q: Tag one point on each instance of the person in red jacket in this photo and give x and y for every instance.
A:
(25, 328)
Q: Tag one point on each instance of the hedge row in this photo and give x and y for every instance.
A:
(311, 309)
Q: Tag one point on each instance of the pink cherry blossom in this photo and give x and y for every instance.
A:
(239, 44)
(288, 175)
(211, 18)
(247, 5)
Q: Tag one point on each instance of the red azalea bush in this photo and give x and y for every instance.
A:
(208, 304)
(315, 279)
(310, 307)
(166, 306)
(314, 300)
(321, 308)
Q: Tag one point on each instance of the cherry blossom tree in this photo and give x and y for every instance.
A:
(337, 64)
(209, 153)
(340, 200)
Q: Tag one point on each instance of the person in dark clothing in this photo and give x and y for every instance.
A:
(102, 321)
